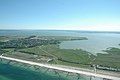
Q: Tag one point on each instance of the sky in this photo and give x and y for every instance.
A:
(94, 15)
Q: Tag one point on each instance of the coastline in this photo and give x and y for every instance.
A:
(68, 69)
(21, 71)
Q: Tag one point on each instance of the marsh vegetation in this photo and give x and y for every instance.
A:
(45, 49)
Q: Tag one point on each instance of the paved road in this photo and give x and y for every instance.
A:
(62, 69)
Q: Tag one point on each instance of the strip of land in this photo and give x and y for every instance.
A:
(62, 68)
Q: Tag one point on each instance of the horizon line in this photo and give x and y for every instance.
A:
(64, 30)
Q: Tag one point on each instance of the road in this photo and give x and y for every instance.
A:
(61, 68)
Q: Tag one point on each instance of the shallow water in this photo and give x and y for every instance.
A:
(8, 72)
(17, 72)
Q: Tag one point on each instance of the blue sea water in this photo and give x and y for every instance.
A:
(9, 72)
(16, 72)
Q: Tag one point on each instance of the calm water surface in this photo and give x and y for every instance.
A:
(95, 44)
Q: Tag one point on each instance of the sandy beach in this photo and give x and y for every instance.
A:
(87, 72)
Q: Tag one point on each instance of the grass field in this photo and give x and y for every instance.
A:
(61, 56)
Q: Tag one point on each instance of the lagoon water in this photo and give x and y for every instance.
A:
(95, 44)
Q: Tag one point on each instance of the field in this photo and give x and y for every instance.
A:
(57, 56)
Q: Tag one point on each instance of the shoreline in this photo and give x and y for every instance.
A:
(63, 68)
